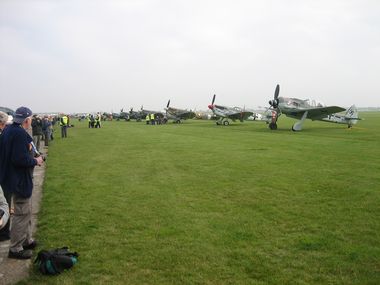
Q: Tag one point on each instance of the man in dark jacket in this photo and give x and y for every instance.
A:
(37, 130)
(16, 170)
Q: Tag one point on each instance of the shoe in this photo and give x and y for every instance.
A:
(5, 238)
(32, 245)
(23, 254)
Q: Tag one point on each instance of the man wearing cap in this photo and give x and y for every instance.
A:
(16, 170)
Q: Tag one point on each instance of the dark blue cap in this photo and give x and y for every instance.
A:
(21, 114)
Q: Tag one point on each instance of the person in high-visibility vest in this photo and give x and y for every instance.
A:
(152, 119)
(64, 123)
(89, 120)
(97, 120)
(147, 119)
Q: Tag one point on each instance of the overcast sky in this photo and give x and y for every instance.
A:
(85, 56)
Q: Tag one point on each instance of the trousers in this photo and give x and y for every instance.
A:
(21, 229)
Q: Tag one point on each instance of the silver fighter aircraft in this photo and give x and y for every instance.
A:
(304, 109)
(224, 113)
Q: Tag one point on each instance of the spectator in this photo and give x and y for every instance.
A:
(16, 168)
(46, 129)
(64, 123)
(37, 130)
(4, 209)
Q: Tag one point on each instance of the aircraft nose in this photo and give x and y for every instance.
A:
(211, 107)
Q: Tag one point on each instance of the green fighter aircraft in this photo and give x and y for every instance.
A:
(304, 109)
(177, 115)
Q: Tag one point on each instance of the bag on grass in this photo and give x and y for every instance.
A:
(52, 262)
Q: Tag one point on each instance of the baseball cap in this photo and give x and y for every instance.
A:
(21, 114)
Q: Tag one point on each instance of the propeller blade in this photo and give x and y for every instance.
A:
(276, 92)
(167, 106)
(213, 99)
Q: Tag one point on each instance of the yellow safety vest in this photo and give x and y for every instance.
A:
(63, 121)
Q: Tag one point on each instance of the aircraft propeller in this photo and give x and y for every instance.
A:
(274, 102)
(211, 106)
(241, 113)
(167, 106)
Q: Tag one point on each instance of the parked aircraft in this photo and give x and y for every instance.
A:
(224, 113)
(303, 109)
(133, 115)
(121, 116)
(178, 114)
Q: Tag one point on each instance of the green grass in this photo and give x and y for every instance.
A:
(203, 204)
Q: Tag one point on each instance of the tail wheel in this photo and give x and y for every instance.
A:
(273, 126)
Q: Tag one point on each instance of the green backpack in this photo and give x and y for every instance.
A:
(52, 262)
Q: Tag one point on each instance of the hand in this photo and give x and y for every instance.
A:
(39, 160)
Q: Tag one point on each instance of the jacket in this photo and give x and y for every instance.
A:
(16, 161)
(36, 126)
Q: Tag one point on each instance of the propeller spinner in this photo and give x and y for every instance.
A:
(274, 102)
(211, 106)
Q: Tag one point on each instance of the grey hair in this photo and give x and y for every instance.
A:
(3, 118)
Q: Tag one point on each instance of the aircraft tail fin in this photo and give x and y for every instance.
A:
(352, 113)
(352, 116)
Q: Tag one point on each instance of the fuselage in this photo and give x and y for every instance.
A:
(292, 106)
(223, 111)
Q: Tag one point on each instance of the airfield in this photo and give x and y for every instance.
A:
(196, 203)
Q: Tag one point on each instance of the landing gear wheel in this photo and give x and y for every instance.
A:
(273, 126)
(217, 123)
(226, 123)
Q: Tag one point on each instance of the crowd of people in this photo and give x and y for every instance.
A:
(155, 119)
(20, 152)
(94, 121)
(21, 137)
(42, 129)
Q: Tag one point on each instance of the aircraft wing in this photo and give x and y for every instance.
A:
(316, 113)
(239, 115)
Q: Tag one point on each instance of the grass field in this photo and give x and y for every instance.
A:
(203, 204)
